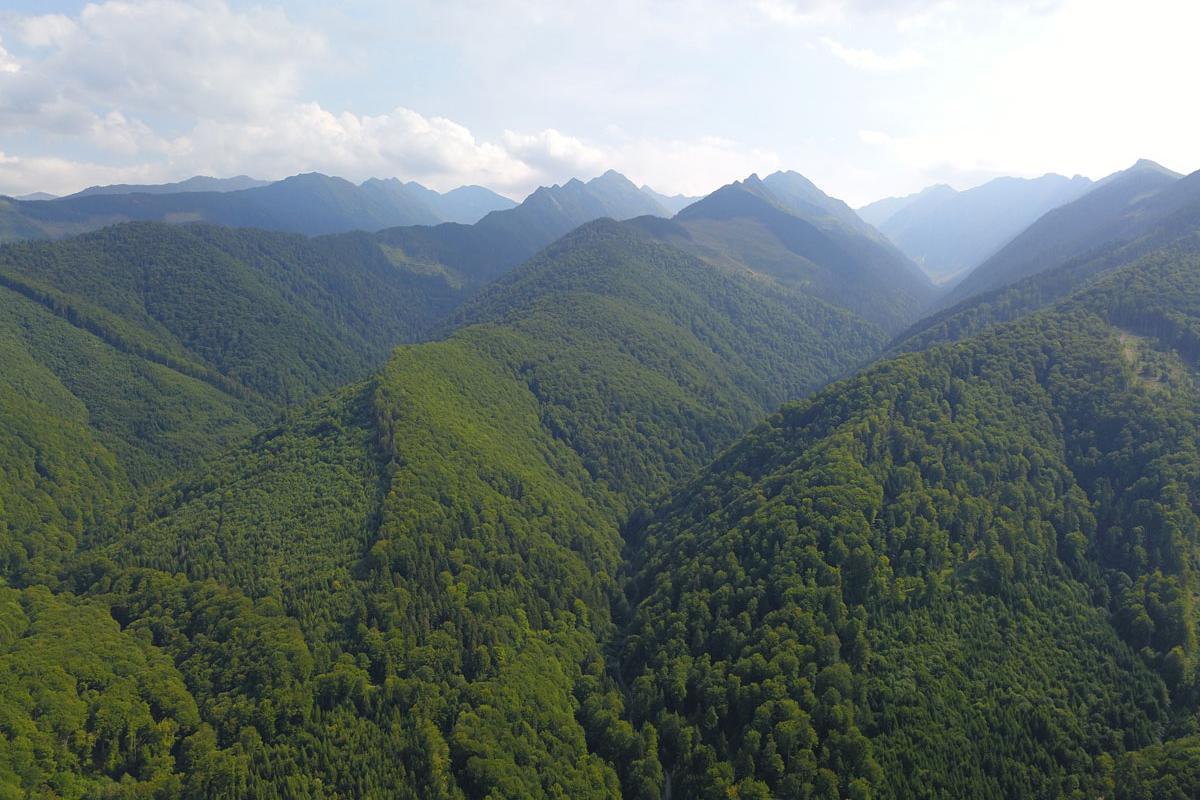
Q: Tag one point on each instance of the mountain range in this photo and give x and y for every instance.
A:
(598, 498)
(311, 204)
(196, 183)
(1120, 205)
(949, 232)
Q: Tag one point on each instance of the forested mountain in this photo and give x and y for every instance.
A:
(311, 204)
(892, 589)
(806, 240)
(536, 552)
(552, 211)
(196, 183)
(149, 346)
(430, 556)
(949, 233)
(503, 239)
(1119, 208)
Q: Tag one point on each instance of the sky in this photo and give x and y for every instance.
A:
(868, 98)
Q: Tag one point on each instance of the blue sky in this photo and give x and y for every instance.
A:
(867, 97)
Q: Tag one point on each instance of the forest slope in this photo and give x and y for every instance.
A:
(888, 590)
(446, 535)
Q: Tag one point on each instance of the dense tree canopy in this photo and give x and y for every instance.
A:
(890, 589)
(541, 556)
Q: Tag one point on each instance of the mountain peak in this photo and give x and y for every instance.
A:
(311, 178)
(611, 177)
(1145, 164)
(791, 176)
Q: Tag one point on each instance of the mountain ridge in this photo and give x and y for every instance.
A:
(1097, 218)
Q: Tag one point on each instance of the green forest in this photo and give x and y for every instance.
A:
(662, 512)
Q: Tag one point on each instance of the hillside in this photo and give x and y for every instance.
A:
(888, 590)
(1110, 212)
(412, 587)
(450, 529)
(140, 350)
(278, 315)
(949, 234)
(539, 555)
(806, 244)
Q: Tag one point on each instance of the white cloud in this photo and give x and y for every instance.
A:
(47, 30)
(25, 174)
(552, 152)
(307, 137)
(867, 59)
(162, 89)
(155, 57)
(229, 84)
(7, 62)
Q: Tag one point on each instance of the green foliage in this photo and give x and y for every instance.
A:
(88, 710)
(252, 312)
(129, 354)
(447, 534)
(464, 577)
(892, 586)
(832, 256)
(1168, 771)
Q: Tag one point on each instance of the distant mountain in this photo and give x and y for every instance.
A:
(1118, 208)
(798, 235)
(410, 200)
(503, 239)
(672, 203)
(311, 204)
(801, 197)
(37, 196)
(949, 232)
(198, 183)
(413, 204)
(1169, 218)
(466, 204)
(552, 211)
(316, 204)
(881, 211)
